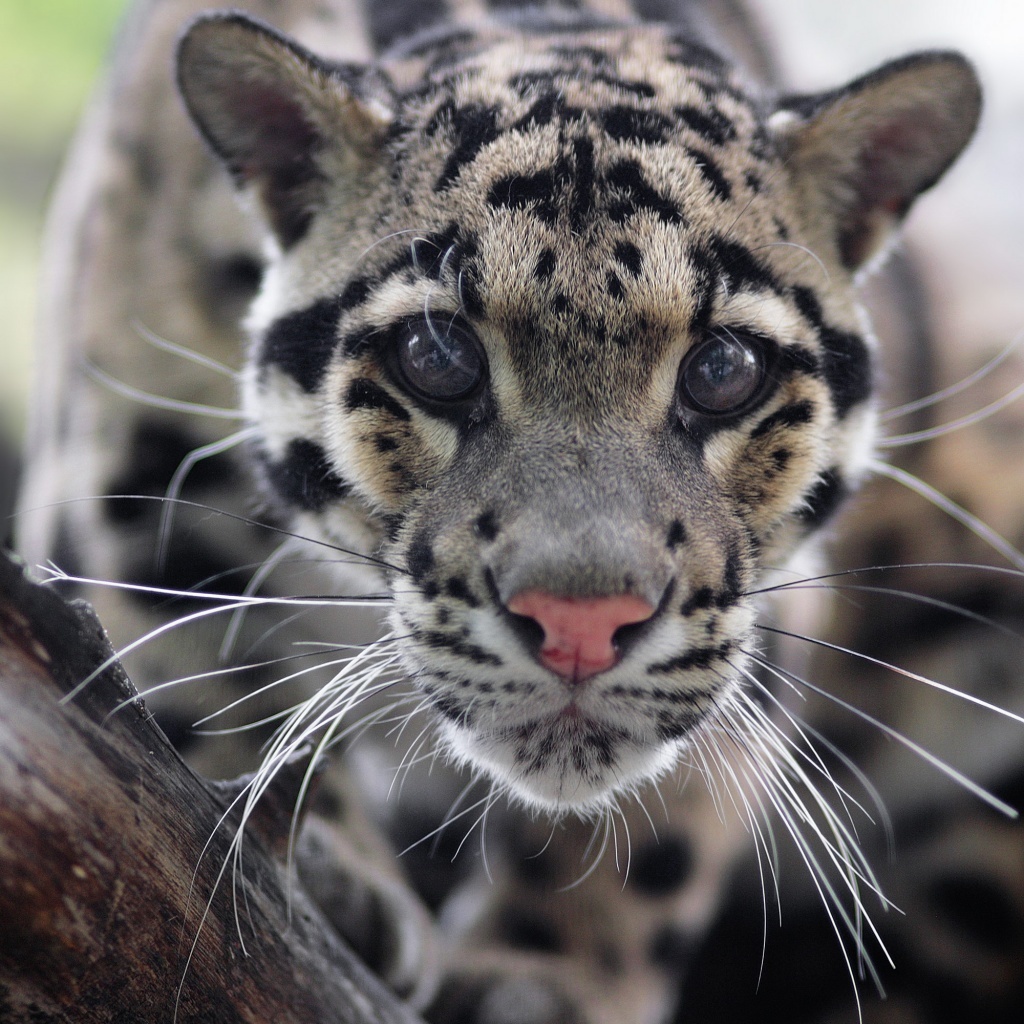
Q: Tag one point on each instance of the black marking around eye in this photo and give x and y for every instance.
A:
(824, 499)
(712, 174)
(846, 365)
(710, 124)
(792, 415)
(628, 124)
(662, 866)
(302, 343)
(365, 394)
(638, 195)
(356, 292)
(304, 477)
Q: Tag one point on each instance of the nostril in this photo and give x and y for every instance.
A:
(528, 629)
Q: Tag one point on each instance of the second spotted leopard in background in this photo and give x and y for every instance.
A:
(555, 326)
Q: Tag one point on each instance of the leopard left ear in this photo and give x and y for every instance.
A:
(285, 123)
(860, 155)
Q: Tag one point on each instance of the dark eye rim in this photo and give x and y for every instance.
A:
(767, 354)
(399, 332)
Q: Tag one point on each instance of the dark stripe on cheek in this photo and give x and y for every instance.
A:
(365, 394)
(304, 477)
(846, 365)
(790, 415)
(301, 344)
(824, 498)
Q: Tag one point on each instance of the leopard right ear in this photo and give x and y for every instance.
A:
(283, 121)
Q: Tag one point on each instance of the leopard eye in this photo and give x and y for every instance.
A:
(440, 359)
(723, 374)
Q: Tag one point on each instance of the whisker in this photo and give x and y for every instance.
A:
(930, 433)
(899, 670)
(183, 351)
(981, 530)
(177, 482)
(157, 401)
(953, 389)
(947, 769)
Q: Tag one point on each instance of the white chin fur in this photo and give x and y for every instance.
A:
(558, 793)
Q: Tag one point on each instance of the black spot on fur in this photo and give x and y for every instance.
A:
(384, 444)
(699, 657)
(630, 257)
(304, 477)
(526, 191)
(739, 267)
(661, 867)
(824, 498)
(302, 343)
(486, 526)
(615, 291)
(455, 644)
(790, 415)
(676, 535)
(712, 174)
(365, 394)
(474, 127)
(356, 292)
(710, 124)
(628, 124)
(583, 182)
(636, 194)
(545, 265)
(703, 597)
(847, 361)
(420, 557)
(641, 89)
(457, 587)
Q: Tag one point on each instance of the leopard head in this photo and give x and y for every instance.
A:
(560, 327)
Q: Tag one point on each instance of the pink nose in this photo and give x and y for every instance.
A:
(578, 631)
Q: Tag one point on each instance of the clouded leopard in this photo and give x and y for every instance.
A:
(553, 351)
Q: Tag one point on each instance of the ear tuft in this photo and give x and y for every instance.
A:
(273, 113)
(868, 150)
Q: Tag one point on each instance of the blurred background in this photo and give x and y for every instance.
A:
(52, 50)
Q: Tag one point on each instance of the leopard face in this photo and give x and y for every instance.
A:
(559, 328)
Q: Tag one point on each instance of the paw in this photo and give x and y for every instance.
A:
(370, 907)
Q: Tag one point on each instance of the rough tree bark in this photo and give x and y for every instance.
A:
(112, 903)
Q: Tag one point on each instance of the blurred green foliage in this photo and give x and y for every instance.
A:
(50, 53)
